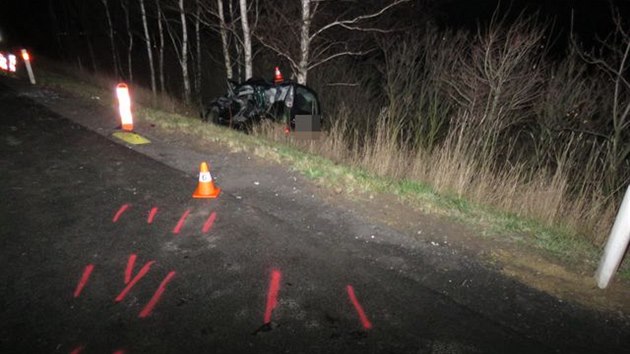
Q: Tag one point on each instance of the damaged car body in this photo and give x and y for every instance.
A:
(255, 100)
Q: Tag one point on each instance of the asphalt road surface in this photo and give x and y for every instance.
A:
(103, 250)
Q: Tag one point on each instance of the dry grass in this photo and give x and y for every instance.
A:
(451, 170)
(479, 139)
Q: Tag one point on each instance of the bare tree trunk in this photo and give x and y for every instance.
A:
(224, 40)
(161, 54)
(111, 38)
(86, 33)
(239, 50)
(247, 39)
(198, 49)
(88, 40)
(315, 48)
(147, 40)
(125, 7)
(183, 60)
(55, 28)
(305, 42)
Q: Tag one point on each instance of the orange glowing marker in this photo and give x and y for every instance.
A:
(124, 105)
(27, 63)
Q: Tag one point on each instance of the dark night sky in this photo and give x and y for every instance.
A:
(27, 22)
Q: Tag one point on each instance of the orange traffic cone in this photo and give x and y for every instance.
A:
(206, 187)
(277, 77)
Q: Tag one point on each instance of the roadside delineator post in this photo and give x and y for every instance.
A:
(27, 62)
(4, 64)
(12, 63)
(124, 106)
(206, 187)
(617, 244)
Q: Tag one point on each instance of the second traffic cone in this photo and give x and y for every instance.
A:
(277, 76)
(205, 187)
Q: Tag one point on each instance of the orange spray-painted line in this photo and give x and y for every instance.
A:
(146, 311)
(152, 213)
(141, 273)
(362, 316)
(77, 350)
(84, 278)
(272, 294)
(181, 222)
(120, 212)
(130, 263)
(209, 222)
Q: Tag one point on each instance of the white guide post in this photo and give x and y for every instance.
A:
(27, 63)
(617, 244)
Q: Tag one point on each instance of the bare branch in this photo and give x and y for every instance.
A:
(337, 55)
(356, 19)
(279, 52)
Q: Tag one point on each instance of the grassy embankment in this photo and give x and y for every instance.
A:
(320, 162)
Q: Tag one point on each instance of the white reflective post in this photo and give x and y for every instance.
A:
(27, 63)
(616, 245)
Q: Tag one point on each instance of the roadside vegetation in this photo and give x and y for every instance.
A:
(495, 127)
(493, 118)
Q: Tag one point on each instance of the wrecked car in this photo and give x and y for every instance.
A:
(254, 100)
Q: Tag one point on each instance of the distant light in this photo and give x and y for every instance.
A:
(3, 62)
(12, 63)
(25, 55)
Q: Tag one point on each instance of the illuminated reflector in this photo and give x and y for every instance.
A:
(124, 105)
(3, 62)
(277, 76)
(12, 63)
(27, 63)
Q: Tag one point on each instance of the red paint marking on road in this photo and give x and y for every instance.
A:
(209, 222)
(120, 212)
(84, 278)
(152, 213)
(130, 263)
(141, 273)
(364, 320)
(181, 222)
(146, 311)
(77, 350)
(272, 294)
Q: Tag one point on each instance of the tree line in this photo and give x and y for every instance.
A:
(193, 34)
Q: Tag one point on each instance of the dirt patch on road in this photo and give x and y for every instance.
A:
(564, 283)
(528, 265)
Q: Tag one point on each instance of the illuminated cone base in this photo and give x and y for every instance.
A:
(277, 77)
